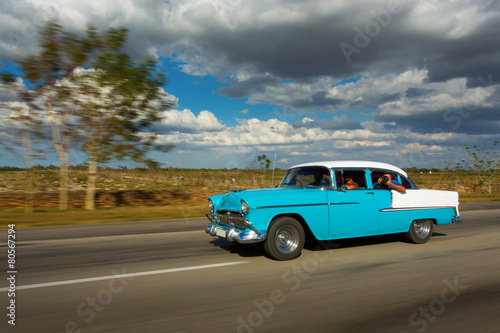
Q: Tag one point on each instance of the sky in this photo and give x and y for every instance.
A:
(403, 82)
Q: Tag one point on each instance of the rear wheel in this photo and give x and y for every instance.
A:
(420, 231)
(285, 239)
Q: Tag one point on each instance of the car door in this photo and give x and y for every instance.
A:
(392, 219)
(352, 212)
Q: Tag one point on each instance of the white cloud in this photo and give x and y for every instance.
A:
(186, 121)
(442, 96)
(452, 19)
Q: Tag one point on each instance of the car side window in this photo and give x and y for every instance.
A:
(375, 175)
(308, 176)
(405, 182)
(349, 177)
(316, 177)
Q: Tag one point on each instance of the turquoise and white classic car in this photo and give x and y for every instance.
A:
(331, 200)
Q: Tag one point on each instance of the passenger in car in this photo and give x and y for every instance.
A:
(349, 182)
(386, 182)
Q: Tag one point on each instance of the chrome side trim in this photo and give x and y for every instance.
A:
(343, 203)
(413, 208)
(287, 206)
(310, 205)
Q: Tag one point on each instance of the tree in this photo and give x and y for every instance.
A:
(18, 123)
(484, 161)
(60, 54)
(264, 162)
(115, 117)
(14, 134)
(95, 96)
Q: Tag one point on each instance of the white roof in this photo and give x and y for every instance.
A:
(355, 164)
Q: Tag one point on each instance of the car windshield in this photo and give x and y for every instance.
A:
(307, 176)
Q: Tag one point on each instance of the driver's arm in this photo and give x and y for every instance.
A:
(399, 188)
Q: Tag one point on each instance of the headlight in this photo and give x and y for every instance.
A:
(211, 205)
(244, 207)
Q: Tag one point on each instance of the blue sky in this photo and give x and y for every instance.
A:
(200, 93)
(404, 82)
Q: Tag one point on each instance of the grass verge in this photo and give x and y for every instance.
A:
(483, 197)
(52, 217)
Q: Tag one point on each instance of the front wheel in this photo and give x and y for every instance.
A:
(420, 231)
(285, 239)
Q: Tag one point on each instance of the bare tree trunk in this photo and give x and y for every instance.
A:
(91, 181)
(61, 144)
(28, 179)
(63, 180)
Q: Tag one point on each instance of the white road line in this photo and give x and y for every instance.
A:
(118, 276)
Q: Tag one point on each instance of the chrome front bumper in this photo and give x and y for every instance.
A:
(456, 219)
(232, 234)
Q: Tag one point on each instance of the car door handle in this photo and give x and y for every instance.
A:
(370, 192)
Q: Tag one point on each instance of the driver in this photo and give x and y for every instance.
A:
(386, 182)
(320, 180)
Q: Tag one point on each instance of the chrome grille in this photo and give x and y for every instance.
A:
(237, 218)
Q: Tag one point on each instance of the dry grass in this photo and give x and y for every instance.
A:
(146, 179)
(449, 178)
(51, 217)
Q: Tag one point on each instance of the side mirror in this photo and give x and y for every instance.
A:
(343, 188)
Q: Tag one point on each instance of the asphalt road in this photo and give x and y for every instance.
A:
(169, 276)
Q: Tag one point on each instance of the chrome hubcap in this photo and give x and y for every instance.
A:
(422, 228)
(287, 239)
